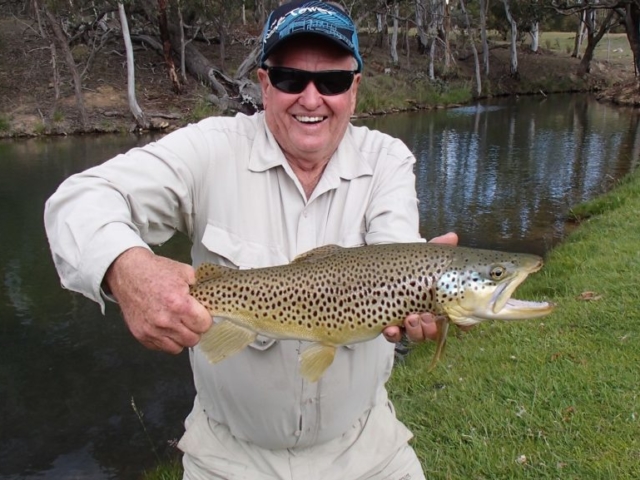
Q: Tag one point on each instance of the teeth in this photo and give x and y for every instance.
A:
(305, 119)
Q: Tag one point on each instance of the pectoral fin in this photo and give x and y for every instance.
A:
(441, 340)
(224, 339)
(315, 359)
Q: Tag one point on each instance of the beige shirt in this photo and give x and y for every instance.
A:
(226, 184)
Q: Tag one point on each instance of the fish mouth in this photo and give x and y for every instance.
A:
(503, 307)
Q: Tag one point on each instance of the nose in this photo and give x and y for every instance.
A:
(310, 98)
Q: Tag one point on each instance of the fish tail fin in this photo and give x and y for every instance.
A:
(315, 359)
(224, 339)
(441, 340)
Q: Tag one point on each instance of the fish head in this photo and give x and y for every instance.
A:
(479, 284)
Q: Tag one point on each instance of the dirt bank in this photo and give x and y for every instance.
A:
(27, 93)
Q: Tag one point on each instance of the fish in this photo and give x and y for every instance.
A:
(334, 296)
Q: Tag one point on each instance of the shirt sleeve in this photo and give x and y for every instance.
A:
(133, 200)
(392, 215)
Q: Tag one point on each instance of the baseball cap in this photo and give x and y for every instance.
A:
(310, 17)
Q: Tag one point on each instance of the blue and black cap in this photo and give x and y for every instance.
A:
(310, 17)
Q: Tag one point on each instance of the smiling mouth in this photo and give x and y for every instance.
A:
(309, 120)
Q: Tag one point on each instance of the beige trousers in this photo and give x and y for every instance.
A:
(364, 452)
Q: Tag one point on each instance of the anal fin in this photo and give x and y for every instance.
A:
(224, 339)
(315, 359)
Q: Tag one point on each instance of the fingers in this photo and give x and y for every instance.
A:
(392, 334)
(419, 327)
(450, 238)
(153, 293)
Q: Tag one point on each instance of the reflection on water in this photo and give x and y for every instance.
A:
(502, 174)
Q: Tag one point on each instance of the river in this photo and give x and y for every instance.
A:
(502, 173)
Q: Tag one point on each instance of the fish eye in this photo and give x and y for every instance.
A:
(497, 272)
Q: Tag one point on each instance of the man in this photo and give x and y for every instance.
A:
(254, 192)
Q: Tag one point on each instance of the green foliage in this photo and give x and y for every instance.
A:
(40, 128)
(57, 116)
(169, 470)
(627, 188)
(5, 123)
(202, 109)
(383, 93)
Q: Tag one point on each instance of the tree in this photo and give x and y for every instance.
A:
(484, 6)
(136, 111)
(476, 62)
(593, 38)
(514, 36)
(166, 46)
(63, 43)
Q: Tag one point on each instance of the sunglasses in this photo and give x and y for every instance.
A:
(327, 82)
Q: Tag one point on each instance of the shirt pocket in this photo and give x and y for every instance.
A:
(232, 250)
(239, 251)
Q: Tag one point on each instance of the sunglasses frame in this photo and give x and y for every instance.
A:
(319, 79)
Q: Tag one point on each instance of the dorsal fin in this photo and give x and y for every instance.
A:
(318, 254)
(208, 271)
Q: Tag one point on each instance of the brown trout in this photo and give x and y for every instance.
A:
(334, 296)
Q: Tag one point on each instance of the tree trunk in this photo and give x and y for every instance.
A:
(183, 69)
(478, 89)
(382, 35)
(394, 34)
(592, 41)
(444, 34)
(407, 43)
(514, 37)
(71, 64)
(577, 45)
(535, 29)
(166, 46)
(632, 27)
(423, 42)
(136, 111)
(483, 34)
(432, 56)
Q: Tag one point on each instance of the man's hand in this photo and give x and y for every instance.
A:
(423, 326)
(153, 293)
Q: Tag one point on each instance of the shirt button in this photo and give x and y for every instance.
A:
(297, 433)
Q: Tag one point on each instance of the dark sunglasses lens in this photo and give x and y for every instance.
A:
(333, 83)
(290, 80)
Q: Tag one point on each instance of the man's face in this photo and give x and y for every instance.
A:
(309, 126)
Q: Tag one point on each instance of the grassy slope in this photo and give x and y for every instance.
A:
(551, 398)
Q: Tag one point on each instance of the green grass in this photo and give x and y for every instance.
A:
(171, 470)
(557, 397)
(563, 391)
(5, 123)
(613, 46)
(384, 93)
(58, 116)
(202, 109)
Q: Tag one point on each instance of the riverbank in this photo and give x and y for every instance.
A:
(556, 398)
(27, 106)
(550, 398)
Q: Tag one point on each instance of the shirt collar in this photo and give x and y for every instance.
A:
(347, 162)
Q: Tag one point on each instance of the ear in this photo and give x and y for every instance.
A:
(265, 85)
